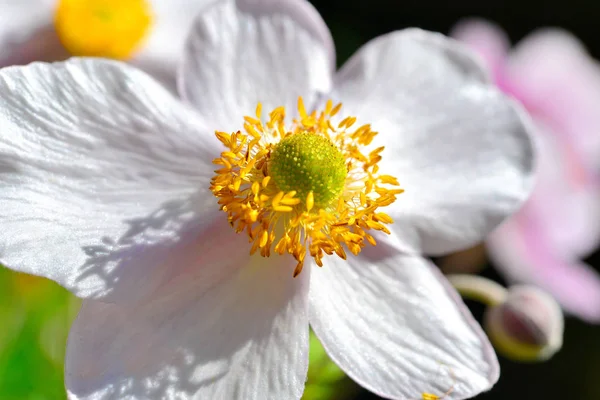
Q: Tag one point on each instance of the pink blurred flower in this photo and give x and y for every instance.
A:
(554, 77)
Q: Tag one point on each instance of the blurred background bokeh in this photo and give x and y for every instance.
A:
(35, 314)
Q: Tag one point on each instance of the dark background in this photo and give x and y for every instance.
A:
(574, 373)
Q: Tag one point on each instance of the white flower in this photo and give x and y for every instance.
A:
(105, 187)
(28, 31)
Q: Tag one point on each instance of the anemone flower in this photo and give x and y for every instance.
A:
(148, 33)
(193, 230)
(552, 75)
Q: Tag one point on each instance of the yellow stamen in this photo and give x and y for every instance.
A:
(285, 187)
(102, 28)
(310, 201)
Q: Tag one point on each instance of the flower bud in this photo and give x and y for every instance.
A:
(527, 326)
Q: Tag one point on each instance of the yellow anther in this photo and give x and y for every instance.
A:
(102, 28)
(253, 214)
(263, 239)
(301, 109)
(336, 109)
(277, 199)
(383, 217)
(258, 110)
(310, 201)
(289, 201)
(283, 209)
(343, 122)
(252, 121)
(225, 138)
(265, 181)
(252, 131)
(255, 187)
(388, 179)
(363, 198)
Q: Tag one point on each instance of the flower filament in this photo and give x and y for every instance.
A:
(102, 28)
(310, 188)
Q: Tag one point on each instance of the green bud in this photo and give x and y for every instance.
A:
(527, 326)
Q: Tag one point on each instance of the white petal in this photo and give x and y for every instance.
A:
(26, 32)
(458, 147)
(393, 324)
(243, 52)
(164, 48)
(101, 173)
(230, 329)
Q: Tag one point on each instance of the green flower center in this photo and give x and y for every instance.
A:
(307, 162)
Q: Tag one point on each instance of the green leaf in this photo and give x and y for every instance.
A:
(325, 379)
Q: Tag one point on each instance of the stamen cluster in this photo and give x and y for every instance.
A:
(280, 221)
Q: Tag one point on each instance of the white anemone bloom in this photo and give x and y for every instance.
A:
(108, 187)
(148, 33)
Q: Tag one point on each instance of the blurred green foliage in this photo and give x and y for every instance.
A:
(35, 315)
(325, 379)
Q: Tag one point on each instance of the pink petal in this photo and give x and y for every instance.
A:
(522, 254)
(565, 203)
(554, 76)
(488, 40)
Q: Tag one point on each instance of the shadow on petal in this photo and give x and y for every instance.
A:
(154, 250)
